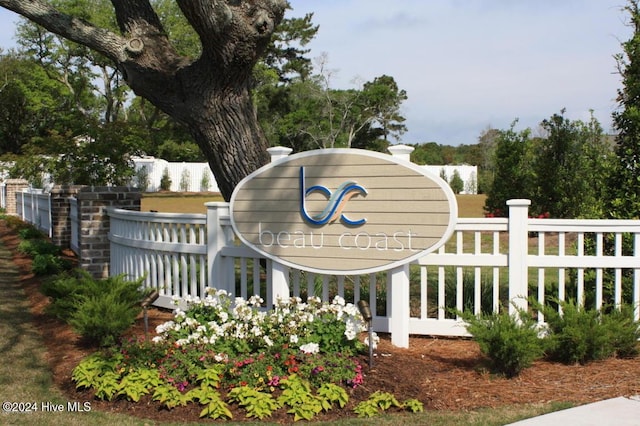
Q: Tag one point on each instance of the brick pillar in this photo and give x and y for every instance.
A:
(14, 186)
(61, 214)
(93, 238)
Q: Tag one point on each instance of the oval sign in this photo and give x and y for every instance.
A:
(343, 211)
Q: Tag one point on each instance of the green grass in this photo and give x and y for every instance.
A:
(177, 202)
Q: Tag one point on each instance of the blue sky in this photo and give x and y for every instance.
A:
(468, 65)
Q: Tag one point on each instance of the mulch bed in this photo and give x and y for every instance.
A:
(445, 374)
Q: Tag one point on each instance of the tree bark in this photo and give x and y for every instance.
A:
(210, 94)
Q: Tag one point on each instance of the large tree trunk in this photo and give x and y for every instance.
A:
(227, 131)
(209, 94)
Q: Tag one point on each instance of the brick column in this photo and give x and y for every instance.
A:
(61, 214)
(14, 186)
(93, 238)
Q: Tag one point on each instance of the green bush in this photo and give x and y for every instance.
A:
(99, 310)
(510, 342)
(103, 318)
(165, 180)
(579, 335)
(34, 247)
(624, 331)
(29, 233)
(49, 264)
(65, 290)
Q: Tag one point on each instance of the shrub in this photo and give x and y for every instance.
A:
(65, 291)
(165, 180)
(34, 247)
(103, 318)
(49, 264)
(510, 342)
(28, 233)
(99, 310)
(624, 331)
(580, 335)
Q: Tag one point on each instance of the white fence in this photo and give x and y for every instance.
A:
(488, 263)
(35, 207)
(184, 177)
(197, 177)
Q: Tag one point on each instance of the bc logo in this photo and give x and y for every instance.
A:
(335, 205)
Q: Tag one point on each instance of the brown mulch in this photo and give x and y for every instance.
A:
(445, 374)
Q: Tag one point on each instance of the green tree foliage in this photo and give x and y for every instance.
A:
(309, 114)
(31, 104)
(513, 172)
(571, 165)
(456, 183)
(624, 185)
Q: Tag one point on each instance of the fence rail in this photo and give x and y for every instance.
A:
(488, 263)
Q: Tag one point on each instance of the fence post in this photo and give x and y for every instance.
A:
(279, 273)
(518, 252)
(278, 152)
(399, 318)
(216, 241)
(402, 152)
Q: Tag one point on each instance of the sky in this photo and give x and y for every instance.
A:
(469, 65)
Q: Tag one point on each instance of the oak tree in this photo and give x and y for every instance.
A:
(209, 93)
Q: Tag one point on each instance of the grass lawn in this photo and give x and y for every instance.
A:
(176, 202)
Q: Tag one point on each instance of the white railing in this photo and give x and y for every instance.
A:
(488, 263)
(34, 207)
(167, 250)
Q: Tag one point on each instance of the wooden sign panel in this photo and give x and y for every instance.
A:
(343, 211)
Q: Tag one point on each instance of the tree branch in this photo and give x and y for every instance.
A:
(106, 42)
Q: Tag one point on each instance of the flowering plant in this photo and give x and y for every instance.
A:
(241, 326)
(259, 348)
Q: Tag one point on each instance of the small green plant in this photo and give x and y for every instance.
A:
(298, 395)
(185, 180)
(510, 342)
(257, 404)
(378, 401)
(98, 372)
(138, 383)
(205, 181)
(165, 180)
(142, 179)
(169, 396)
(413, 405)
(103, 316)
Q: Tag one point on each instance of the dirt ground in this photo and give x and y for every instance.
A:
(445, 374)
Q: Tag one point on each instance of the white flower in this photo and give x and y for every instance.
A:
(293, 338)
(376, 340)
(310, 348)
(268, 341)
